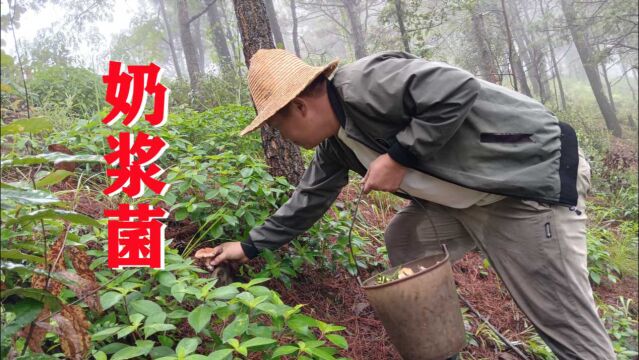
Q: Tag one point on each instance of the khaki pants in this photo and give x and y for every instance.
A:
(538, 251)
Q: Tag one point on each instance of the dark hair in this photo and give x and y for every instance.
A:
(313, 89)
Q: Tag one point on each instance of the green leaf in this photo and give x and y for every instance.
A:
(257, 341)
(246, 172)
(178, 290)
(129, 352)
(236, 345)
(15, 254)
(187, 346)
(99, 355)
(231, 220)
(235, 328)
(254, 282)
(162, 351)
(223, 293)
(166, 278)
(301, 323)
(28, 196)
(70, 216)
(320, 353)
(181, 214)
(33, 125)
(54, 157)
(53, 178)
(126, 331)
(110, 298)
(196, 357)
(147, 345)
(338, 340)
(157, 318)
(328, 328)
(53, 302)
(153, 328)
(178, 314)
(285, 350)
(25, 310)
(220, 354)
(146, 307)
(106, 333)
(200, 317)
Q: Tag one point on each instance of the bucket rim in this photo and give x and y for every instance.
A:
(439, 263)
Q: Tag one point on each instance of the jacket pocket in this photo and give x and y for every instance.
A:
(510, 138)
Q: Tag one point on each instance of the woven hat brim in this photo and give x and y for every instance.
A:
(274, 107)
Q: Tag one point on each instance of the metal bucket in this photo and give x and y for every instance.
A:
(421, 311)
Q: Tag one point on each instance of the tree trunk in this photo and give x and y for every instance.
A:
(627, 78)
(510, 46)
(199, 44)
(604, 72)
(357, 34)
(553, 58)
(190, 52)
(169, 34)
(282, 156)
(296, 43)
(539, 60)
(402, 28)
(230, 34)
(590, 67)
(486, 64)
(275, 25)
(528, 52)
(520, 73)
(219, 40)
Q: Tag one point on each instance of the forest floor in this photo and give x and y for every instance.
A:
(338, 299)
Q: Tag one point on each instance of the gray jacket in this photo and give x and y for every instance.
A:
(437, 119)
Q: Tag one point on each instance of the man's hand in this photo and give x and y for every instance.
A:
(384, 174)
(226, 252)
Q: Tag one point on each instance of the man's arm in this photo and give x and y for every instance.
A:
(319, 187)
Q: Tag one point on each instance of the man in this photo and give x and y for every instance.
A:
(492, 169)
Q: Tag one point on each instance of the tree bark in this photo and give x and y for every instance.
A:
(296, 42)
(357, 34)
(402, 28)
(486, 63)
(590, 67)
(219, 40)
(275, 25)
(190, 52)
(282, 156)
(169, 34)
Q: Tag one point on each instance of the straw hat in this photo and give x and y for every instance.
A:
(275, 77)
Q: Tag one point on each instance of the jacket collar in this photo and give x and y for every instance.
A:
(336, 103)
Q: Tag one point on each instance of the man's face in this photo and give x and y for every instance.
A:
(300, 123)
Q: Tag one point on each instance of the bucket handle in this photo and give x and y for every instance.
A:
(351, 258)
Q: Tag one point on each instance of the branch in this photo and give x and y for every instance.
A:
(195, 17)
